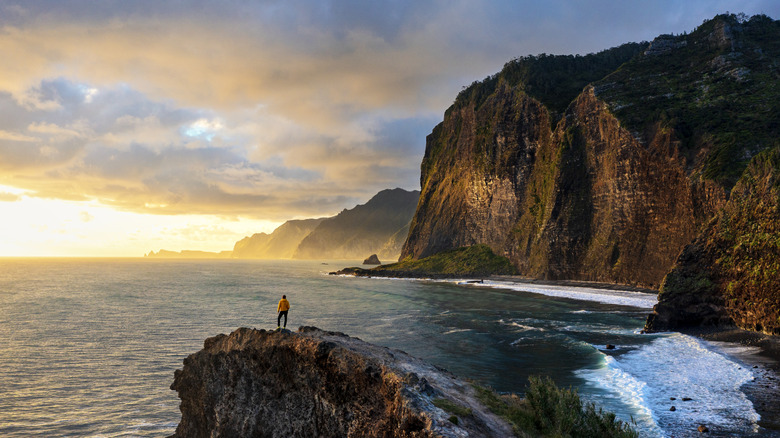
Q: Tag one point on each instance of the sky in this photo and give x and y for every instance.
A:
(130, 126)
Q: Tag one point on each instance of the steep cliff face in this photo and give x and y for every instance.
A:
(320, 384)
(731, 273)
(370, 228)
(476, 165)
(612, 188)
(604, 206)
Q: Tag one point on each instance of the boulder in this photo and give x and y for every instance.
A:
(372, 260)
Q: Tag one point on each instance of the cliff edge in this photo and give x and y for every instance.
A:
(315, 383)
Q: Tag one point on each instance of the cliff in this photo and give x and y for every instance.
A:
(321, 384)
(375, 227)
(601, 167)
(280, 244)
(729, 275)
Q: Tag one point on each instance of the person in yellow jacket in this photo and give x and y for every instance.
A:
(282, 308)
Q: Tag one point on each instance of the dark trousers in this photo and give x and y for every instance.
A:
(279, 318)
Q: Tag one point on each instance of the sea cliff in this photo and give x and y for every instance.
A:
(605, 167)
(317, 383)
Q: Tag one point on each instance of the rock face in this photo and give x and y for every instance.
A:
(576, 169)
(280, 244)
(372, 260)
(319, 384)
(731, 273)
(373, 227)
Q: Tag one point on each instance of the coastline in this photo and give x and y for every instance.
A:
(760, 352)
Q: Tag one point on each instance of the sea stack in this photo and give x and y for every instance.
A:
(372, 260)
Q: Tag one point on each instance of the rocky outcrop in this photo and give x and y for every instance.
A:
(373, 259)
(730, 275)
(321, 384)
(280, 244)
(369, 228)
(611, 186)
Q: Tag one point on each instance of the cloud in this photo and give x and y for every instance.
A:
(270, 109)
(9, 197)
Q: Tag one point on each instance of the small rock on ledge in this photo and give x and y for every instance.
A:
(372, 260)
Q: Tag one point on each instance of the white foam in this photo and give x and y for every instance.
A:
(640, 300)
(676, 365)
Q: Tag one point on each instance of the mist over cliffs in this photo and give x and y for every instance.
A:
(603, 167)
(280, 244)
(377, 227)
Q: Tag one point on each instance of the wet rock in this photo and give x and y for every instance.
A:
(610, 347)
(686, 399)
(703, 429)
(672, 409)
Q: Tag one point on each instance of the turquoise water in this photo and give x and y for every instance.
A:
(89, 347)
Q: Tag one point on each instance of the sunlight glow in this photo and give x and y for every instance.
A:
(55, 228)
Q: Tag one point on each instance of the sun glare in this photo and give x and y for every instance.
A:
(55, 228)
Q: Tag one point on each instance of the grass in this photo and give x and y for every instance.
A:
(549, 411)
(453, 408)
(477, 260)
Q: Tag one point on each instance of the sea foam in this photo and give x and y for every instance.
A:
(640, 300)
(679, 366)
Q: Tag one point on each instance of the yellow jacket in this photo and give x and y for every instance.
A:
(283, 305)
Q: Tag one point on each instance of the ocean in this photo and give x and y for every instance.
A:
(88, 347)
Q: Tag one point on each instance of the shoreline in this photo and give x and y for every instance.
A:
(762, 355)
(762, 352)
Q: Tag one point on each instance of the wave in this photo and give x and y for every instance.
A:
(659, 375)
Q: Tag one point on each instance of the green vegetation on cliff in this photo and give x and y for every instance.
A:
(554, 80)
(731, 272)
(549, 411)
(474, 261)
(715, 87)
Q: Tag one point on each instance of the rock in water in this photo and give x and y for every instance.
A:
(319, 384)
(372, 260)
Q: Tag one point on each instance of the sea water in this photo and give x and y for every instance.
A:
(88, 347)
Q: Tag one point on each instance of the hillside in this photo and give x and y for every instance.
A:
(729, 274)
(280, 244)
(375, 227)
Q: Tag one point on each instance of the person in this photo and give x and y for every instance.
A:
(282, 308)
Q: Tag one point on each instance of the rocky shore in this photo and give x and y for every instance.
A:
(315, 383)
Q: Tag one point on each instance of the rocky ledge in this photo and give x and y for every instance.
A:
(315, 383)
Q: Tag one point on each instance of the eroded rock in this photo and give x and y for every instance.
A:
(315, 383)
